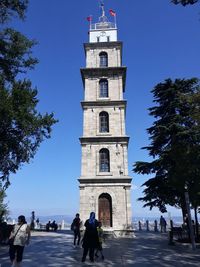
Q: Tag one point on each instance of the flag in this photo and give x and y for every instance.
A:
(89, 18)
(112, 13)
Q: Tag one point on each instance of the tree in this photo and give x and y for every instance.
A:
(3, 207)
(184, 2)
(175, 145)
(22, 127)
(15, 55)
(10, 8)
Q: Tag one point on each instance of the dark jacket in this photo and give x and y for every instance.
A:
(76, 224)
(90, 238)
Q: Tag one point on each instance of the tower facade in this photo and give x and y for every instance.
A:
(104, 182)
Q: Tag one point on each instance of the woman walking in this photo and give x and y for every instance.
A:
(90, 238)
(19, 237)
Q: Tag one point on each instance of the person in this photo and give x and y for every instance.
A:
(54, 226)
(21, 237)
(163, 224)
(101, 237)
(75, 227)
(90, 240)
(48, 226)
(32, 225)
(4, 233)
(37, 226)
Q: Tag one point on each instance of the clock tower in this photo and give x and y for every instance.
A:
(104, 182)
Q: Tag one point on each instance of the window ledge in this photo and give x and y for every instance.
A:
(104, 134)
(104, 174)
(103, 98)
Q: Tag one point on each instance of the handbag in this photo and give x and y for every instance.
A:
(11, 240)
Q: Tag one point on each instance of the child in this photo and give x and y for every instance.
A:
(100, 235)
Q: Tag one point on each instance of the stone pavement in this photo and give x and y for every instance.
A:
(147, 249)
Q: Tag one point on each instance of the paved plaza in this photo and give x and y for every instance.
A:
(147, 249)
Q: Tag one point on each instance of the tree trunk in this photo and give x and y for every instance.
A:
(184, 211)
(196, 222)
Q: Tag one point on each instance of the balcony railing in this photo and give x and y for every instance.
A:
(103, 26)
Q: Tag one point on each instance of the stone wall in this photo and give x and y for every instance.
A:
(120, 195)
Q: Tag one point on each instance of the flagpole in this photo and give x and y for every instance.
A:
(90, 21)
(115, 19)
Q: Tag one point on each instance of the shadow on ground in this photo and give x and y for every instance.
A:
(145, 250)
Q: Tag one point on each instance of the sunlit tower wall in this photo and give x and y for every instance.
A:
(104, 182)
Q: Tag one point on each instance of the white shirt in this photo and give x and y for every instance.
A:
(21, 236)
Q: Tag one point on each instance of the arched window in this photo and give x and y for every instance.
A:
(103, 122)
(103, 88)
(103, 59)
(104, 160)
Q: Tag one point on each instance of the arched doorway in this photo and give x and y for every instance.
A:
(105, 210)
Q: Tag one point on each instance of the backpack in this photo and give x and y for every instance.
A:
(72, 226)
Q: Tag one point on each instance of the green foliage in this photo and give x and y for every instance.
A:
(184, 2)
(15, 54)
(10, 8)
(3, 207)
(175, 145)
(22, 127)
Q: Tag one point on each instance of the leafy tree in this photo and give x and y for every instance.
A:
(22, 127)
(15, 54)
(175, 145)
(3, 207)
(184, 2)
(10, 8)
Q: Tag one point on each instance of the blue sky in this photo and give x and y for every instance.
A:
(160, 40)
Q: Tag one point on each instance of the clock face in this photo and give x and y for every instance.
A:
(103, 33)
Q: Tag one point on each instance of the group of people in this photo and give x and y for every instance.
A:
(91, 241)
(92, 238)
(53, 225)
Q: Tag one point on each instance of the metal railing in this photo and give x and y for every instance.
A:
(102, 26)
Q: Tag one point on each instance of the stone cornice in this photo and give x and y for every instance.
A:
(126, 180)
(108, 103)
(104, 139)
(106, 71)
(102, 45)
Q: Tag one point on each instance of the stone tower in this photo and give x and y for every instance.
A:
(104, 182)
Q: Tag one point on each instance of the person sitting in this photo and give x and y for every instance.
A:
(48, 226)
(54, 226)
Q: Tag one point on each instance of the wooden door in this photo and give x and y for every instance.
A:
(105, 210)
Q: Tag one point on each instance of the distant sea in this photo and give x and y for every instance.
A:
(176, 219)
(44, 219)
(68, 219)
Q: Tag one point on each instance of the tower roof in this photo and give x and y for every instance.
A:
(103, 23)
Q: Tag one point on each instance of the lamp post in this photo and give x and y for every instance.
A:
(191, 230)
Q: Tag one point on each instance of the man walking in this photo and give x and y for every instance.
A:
(75, 226)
